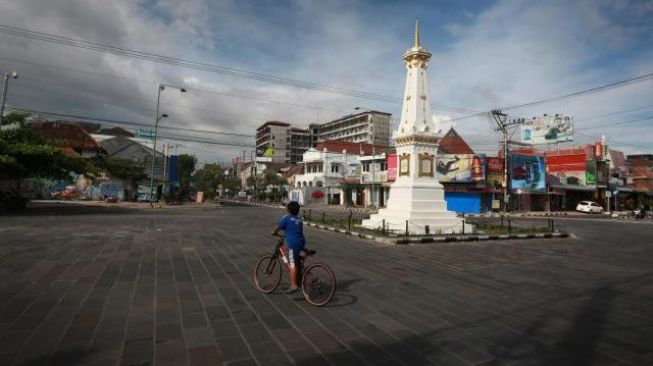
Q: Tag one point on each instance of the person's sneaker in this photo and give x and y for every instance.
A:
(291, 290)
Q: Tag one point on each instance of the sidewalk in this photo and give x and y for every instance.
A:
(122, 204)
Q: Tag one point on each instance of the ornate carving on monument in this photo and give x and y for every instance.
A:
(404, 164)
(425, 163)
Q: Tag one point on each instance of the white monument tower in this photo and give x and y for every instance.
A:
(416, 196)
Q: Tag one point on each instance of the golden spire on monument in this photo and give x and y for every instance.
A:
(417, 56)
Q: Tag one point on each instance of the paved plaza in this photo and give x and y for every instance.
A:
(173, 286)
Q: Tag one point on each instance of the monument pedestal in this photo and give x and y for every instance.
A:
(419, 203)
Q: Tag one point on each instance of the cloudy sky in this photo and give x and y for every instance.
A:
(303, 61)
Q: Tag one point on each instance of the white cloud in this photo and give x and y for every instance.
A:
(510, 53)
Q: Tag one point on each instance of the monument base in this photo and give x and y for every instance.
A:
(421, 204)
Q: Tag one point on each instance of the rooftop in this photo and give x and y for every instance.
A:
(452, 143)
(66, 134)
(273, 123)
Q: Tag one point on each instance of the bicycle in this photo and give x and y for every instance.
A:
(318, 282)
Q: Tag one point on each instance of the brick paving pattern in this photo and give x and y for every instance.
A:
(174, 287)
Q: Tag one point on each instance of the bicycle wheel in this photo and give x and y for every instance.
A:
(318, 284)
(267, 274)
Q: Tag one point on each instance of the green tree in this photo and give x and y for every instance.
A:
(15, 117)
(185, 168)
(231, 184)
(208, 179)
(123, 169)
(23, 153)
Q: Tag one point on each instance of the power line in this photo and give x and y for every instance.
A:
(135, 100)
(617, 84)
(129, 123)
(176, 61)
(619, 123)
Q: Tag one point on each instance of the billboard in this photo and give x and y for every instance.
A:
(569, 171)
(392, 167)
(527, 173)
(461, 168)
(494, 172)
(353, 171)
(547, 129)
(172, 169)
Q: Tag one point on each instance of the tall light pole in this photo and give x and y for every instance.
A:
(160, 88)
(8, 75)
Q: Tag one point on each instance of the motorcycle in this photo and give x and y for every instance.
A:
(640, 212)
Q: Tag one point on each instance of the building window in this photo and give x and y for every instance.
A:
(366, 167)
(384, 166)
(319, 168)
(335, 168)
(310, 184)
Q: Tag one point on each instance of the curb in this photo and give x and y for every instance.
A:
(440, 239)
(452, 238)
(342, 208)
(343, 231)
(257, 204)
(544, 214)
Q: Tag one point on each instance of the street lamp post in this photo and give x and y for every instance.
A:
(156, 127)
(8, 75)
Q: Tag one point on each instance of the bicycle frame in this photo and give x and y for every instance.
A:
(279, 250)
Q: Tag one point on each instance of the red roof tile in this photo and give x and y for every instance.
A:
(452, 143)
(66, 135)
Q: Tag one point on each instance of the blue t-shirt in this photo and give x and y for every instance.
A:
(293, 226)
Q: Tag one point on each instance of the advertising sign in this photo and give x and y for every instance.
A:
(172, 169)
(547, 130)
(144, 134)
(567, 170)
(478, 168)
(527, 173)
(590, 172)
(455, 168)
(353, 171)
(392, 167)
(494, 172)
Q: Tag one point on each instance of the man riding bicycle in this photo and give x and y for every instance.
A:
(293, 226)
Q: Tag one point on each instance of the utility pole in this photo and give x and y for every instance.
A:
(502, 125)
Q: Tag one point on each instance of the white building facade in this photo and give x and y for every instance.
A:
(370, 127)
(324, 172)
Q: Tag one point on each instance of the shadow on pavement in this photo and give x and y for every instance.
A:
(70, 210)
(576, 345)
(72, 357)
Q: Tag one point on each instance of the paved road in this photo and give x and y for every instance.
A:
(102, 286)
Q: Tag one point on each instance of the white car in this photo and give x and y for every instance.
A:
(589, 207)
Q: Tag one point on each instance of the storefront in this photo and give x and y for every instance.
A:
(468, 202)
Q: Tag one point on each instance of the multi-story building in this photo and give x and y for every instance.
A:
(641, 170)
(273, 141)
(282, 143)
(300, 142)
(369, 127)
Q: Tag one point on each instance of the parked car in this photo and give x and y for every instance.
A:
(589, 207)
